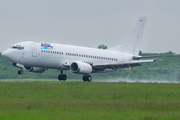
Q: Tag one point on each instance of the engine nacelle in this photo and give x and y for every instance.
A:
(34, 69)
(81, 68)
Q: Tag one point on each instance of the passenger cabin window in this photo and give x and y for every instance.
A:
(88, 56)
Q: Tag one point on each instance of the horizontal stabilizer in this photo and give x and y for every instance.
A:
(154, 56)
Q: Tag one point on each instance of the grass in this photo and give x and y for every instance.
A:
(87, 101)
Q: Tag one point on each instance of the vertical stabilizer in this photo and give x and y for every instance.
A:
(133, 42)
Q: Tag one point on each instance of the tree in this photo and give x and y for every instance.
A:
(140, 52)
(102, 46)
(170, 52)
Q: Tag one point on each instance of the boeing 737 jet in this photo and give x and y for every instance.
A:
(39, 57)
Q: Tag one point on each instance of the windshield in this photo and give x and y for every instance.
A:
(17, 47)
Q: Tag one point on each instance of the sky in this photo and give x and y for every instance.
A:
(90, 22)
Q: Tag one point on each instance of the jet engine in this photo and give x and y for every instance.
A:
(34, 69)
(81, 68)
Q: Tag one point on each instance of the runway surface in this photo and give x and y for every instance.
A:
(93, 81)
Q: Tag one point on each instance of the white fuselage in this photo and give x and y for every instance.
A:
(34, 55)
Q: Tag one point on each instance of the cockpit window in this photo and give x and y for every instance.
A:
(17, 47)
(20, 48)
(14, 47)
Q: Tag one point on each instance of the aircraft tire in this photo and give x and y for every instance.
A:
(87, 78)
(20, 72)
(84, 78)
(64, 77)
(60, 77)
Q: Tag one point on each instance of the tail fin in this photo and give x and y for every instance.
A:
(133, 42)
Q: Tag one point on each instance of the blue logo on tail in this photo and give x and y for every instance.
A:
(46, 46)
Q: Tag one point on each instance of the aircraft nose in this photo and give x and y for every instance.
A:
(7, 54)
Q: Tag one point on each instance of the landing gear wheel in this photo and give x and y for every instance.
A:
(20, 72)
(84, 78)
(62, 77)
(87, 78)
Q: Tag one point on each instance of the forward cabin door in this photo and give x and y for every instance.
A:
(34, 50)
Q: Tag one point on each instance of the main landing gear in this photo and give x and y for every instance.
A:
(87, 78)
(62, 76)
(20, 72)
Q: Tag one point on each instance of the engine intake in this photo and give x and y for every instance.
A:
(81, 68)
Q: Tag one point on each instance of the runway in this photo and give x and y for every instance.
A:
(119, 80)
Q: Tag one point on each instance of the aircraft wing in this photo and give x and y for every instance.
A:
(125, 64)
(122, 64)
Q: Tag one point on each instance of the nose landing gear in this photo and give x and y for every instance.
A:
(20, 72)
(62, 76)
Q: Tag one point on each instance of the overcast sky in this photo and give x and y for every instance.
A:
(90, 22)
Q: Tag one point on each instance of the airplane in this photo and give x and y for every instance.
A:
(39, 57)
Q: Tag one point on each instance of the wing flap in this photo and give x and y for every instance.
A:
(123, 64)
